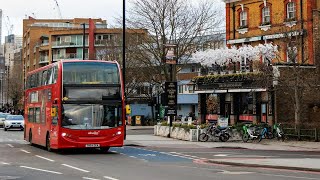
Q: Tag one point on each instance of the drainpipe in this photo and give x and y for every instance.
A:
(302, 36)
(234, 20)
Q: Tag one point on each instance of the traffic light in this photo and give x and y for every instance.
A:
(128, 109)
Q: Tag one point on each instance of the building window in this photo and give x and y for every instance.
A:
(266, 15)
(291, 10)
(180, 89)
(243, 19)
(292, 54)
(191, 89)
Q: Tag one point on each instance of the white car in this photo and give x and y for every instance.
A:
(3, 117)
(14, 122)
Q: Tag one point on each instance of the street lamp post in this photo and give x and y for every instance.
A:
(124, 57)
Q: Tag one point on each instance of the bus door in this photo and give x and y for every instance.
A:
(54, 128)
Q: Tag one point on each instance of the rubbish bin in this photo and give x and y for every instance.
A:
(138, 120)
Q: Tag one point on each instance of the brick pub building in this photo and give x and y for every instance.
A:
(238, 96)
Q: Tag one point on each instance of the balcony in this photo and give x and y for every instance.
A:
(58, 44)
(44, 44)
(106, 43)
(70, 56)
(44, 59)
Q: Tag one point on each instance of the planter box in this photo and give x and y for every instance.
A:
(177, 133)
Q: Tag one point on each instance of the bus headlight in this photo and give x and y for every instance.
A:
(63, 134)
(119, 132)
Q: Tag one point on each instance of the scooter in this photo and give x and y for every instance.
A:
(249, 133)
(278, 132)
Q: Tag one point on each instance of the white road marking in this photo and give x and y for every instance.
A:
(45, 158)
(89, 178)
(236, 172)
(53, 172)
(220, 155)
(182, 155)
(4, 163)
(132, 156)
(110, 178)
(10, 145)
(147, 155)
(25, 151)
(75, 168)
(296, 177)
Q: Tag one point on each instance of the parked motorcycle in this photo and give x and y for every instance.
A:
(212, 130)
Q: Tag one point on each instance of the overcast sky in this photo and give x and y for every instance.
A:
(17, 10)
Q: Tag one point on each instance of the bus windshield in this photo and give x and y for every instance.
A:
(91, 116)
(90, 73)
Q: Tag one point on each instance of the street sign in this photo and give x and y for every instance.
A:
(171, 53)
(171, 93)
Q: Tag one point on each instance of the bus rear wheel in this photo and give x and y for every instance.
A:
(30, 137)
(48, 143)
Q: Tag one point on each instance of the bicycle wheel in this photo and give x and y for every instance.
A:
(203, 137)
(261, 137)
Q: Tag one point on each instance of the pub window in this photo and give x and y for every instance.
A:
(246, 103)
(37, 115)
(292, 54)
(212, 104)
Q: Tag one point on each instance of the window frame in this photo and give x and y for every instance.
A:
(264, 15)
(242, 13)
(291, 10)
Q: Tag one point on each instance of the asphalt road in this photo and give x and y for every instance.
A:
(19, 160)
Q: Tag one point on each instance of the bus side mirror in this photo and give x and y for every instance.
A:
(53, 111)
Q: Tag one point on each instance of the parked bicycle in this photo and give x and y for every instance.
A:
(212, 130)
(249, 133)
(265, 132)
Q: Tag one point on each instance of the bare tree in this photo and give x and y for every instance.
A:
(15, 85)
(176, 22)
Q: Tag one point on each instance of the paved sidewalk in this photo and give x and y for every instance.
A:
(151, 140)
(303, 164)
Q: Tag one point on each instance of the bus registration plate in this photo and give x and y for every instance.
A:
(92, 145)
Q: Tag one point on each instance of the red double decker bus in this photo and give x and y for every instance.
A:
(75, 104)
